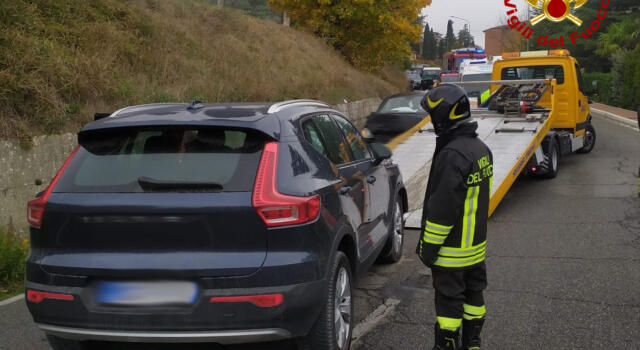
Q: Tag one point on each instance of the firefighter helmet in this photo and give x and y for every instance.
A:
(448, 106)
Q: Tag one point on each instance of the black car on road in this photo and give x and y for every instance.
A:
(396, 114)
(222, 223)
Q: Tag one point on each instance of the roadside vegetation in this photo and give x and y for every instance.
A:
(13, 253)
(370, 34)
(63, 60)
(611, 56)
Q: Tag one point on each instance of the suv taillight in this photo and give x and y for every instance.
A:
(277, 209)
(35, 207)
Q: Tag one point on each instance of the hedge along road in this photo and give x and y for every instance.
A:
(564, 261)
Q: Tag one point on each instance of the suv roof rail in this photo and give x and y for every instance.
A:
(141, 106)
(277, 107)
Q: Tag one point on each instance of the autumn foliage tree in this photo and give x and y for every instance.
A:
(369, 33)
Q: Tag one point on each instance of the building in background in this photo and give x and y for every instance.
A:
(502, 39)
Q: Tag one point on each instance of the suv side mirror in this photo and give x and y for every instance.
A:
(367, 136)
(595, 87)
(380, 152)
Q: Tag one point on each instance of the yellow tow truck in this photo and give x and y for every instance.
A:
(537, 111)
(571, 123)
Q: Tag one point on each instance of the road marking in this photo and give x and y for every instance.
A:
(373, 319)
(11, 300)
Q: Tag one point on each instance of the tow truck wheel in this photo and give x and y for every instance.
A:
(589, 140)
(551, 157)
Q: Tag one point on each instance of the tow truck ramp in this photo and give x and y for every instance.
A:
(513, 137)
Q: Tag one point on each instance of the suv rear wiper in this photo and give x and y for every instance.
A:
(149, 184)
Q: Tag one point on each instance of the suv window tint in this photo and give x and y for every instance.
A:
(358, 147)
(312, 134)
(336, 146)
(534, 72)
(115, 161)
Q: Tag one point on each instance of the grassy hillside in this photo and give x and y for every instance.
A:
(63, 60)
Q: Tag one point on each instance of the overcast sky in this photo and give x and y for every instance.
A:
(483, 14)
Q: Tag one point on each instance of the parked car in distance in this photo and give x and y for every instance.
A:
(430, 76)
(415, 80)
(222, 223)
(396, 114)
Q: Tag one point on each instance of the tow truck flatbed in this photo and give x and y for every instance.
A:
(513, 139)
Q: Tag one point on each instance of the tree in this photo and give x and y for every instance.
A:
(623, 35)
(442, 48)
(369, 33)
(417, 46)
(621, 43)
(465, 39)
(433, 46)
(427, 39)
(450, 38)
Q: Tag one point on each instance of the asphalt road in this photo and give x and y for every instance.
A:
(563, 262)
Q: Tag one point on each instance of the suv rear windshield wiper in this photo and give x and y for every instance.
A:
(150, 184)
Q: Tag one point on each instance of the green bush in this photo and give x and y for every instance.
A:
(630, 92)
(13, 253)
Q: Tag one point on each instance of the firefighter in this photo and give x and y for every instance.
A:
(454, 219)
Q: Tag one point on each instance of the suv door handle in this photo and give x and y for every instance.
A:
(345, 190)
(371, 179)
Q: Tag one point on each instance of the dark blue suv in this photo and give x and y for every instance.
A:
(223, 223)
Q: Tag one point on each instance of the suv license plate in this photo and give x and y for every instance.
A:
(147, 293)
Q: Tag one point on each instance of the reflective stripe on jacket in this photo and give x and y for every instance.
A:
(457, 203)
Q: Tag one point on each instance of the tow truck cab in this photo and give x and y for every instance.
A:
(571, 124)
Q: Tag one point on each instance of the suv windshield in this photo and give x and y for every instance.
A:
(403, 104)
(164, 159)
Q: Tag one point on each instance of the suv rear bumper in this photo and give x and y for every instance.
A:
(220, 337)
(204, 321)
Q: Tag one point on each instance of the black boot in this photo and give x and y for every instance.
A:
(471, 334)
(446, 340)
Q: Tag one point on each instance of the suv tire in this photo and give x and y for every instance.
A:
(330, 332)
(392, 251)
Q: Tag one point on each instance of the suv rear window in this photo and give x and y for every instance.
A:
(534, 72)
(164, 160)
